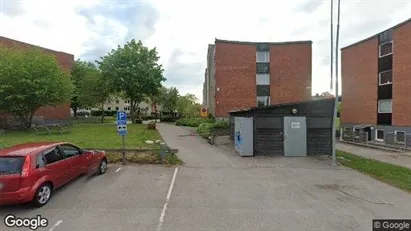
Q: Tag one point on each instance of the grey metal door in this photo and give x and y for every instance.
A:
(295, 136)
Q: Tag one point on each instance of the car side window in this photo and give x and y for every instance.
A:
(69, 151)
(52, 156)
(40, 160)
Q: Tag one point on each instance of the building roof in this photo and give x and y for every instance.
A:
(270, 43)
(9, 40)
(282, 105)
(371, 37)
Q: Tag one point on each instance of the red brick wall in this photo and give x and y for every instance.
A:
(401, 107)
(290, 75)
(359, 68)
(235, 75)
(66, 61)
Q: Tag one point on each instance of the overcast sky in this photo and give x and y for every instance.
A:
(181, 30)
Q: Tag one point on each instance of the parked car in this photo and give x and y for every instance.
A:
(31, 172)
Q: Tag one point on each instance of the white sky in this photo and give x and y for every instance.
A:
(181, 30)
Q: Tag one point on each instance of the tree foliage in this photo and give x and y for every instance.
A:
(168, 99)
(188, 106)
(134, 70)
(79, 73)
(30, 79)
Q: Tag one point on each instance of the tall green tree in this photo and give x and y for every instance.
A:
(168, 99)
(188, 106)
(30, 79)
(134, 70)
(80, 97)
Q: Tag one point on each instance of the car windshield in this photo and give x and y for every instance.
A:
(11, 165)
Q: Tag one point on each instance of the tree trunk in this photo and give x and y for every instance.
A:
(75, 112)
(102, 114)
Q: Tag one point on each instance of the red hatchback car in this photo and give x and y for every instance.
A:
(30, 172)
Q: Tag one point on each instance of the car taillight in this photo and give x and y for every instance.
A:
(26, 167)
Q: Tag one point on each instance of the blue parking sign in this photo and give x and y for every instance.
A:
(121, 123)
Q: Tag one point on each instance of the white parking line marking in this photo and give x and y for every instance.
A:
(118, 169)
(163, 213)
(55, 225)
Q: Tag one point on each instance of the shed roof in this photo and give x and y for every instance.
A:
(282, 105)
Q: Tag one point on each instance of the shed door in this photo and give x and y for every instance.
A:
(295, 136)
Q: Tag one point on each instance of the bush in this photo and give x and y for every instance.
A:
(151, 126)
(100, 112)
(204, 129)
(169, 119)
(221, 124)
(150, 117)
(192, 122)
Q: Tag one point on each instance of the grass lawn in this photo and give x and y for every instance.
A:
(397, 176)
(102, 136)
(337, 123)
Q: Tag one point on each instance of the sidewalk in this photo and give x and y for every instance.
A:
(397, 158)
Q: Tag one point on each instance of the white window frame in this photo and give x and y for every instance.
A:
(376, 135)
(268, 100)
(379, 49)
(379, 105)
(265, 77)
(395, 137)
(379, 78)
(266, 57)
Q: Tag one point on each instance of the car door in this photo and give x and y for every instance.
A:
(57, 168)
(75, 160)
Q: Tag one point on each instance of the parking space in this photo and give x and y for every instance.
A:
(125, 198)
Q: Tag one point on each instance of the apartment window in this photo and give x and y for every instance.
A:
(385, 49)
(263, 101)
(385, 77)
(263, 56)
(109, 109)
(263, 79)
(263, 90)
(263, 47)
(116, 108)
(385, 106)
(263, 68)
(400, 137)
(379, 135)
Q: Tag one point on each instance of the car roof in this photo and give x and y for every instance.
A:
(28, 148)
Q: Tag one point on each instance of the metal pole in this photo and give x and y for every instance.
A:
(124, 150)
(336, 81)
(332, 46)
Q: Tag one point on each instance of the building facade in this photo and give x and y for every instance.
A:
(66, 61)
(249, 74)
(119, 104)
(376, 85)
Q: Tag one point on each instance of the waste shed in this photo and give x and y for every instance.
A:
(292, 129)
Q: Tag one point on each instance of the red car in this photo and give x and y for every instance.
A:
(30, 172)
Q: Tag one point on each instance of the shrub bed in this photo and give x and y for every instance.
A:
(205, 129)
(193, 122)
(144, 158)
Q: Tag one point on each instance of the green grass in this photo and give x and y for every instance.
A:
(394, 175)
(144, 158)
(102, 136)
(337, 123)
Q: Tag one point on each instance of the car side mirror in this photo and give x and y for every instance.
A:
(81, 151)
(37, 165)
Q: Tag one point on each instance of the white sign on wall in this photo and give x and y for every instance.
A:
(295, 124)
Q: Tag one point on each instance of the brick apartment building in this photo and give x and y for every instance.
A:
(66, 61)
(241, 75)
(376, 85)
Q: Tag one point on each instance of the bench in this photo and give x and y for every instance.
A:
(49, 129)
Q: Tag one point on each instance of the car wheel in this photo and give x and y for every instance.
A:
(43, 195)
(102, 168)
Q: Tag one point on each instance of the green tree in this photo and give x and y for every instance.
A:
(30, 79)
(168, 99)
(134, 70)
(80, 97)
(188, 106)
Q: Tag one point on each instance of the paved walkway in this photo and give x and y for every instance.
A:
(397, 158)
(218, 190)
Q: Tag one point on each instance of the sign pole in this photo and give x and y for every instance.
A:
(124, 150)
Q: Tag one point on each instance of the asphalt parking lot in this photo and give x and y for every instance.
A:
(125, 198)
(218, 190)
